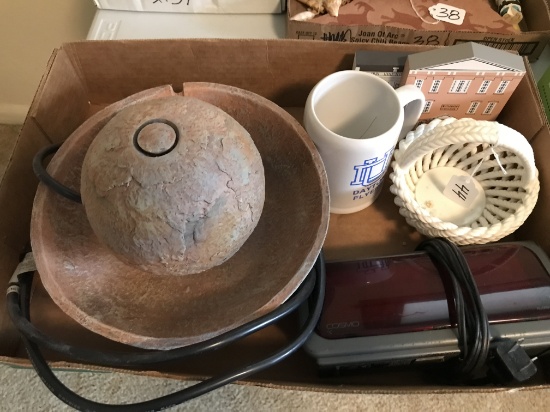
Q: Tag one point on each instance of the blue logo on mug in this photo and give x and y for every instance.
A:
(371, 170)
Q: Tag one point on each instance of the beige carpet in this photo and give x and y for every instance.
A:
(22, 390)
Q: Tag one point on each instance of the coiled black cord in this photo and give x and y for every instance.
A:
(44, 176)
(472, 322)
(19, 296)
(142, 358)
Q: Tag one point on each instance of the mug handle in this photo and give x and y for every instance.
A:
(412, 100)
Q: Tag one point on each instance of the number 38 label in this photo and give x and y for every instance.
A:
(446, 13)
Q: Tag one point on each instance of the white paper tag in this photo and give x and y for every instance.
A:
(448, 14)
(461, 190)
(26, 265)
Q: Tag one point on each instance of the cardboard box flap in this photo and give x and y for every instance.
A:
(17, 191)
(64, 87)
(281, 72)
(537, 224)
(536, 16)
(530, 122)
(17, 188)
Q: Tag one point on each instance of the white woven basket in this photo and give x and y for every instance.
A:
(468, 144)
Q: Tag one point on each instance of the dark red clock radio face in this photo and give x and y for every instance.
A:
(406, 294)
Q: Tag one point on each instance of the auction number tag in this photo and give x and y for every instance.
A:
(448, 14)
(461, 190)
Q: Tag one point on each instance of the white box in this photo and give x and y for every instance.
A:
(196, 6)
(125, 25)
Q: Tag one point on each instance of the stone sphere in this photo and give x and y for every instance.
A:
(173, 185)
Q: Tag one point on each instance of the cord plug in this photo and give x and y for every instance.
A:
(509, 361)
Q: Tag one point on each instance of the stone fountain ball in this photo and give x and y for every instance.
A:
(173, 185)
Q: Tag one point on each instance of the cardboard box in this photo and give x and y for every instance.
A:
(82, 78)
(196, 6)
(381, 21)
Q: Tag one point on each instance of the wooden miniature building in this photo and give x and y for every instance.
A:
(465, 80)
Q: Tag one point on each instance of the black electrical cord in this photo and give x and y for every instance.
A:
(21, 290)
(472, 322)
(141, 358)
(44, 176)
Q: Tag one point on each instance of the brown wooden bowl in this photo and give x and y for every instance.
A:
(138, 308)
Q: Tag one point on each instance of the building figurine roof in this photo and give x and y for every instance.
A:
(467, 56)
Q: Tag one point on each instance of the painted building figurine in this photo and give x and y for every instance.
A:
(465, 80)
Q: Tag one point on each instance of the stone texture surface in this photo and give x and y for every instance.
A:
(177, 206)
(129, 305)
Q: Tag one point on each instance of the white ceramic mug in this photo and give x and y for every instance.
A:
(355, 119)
